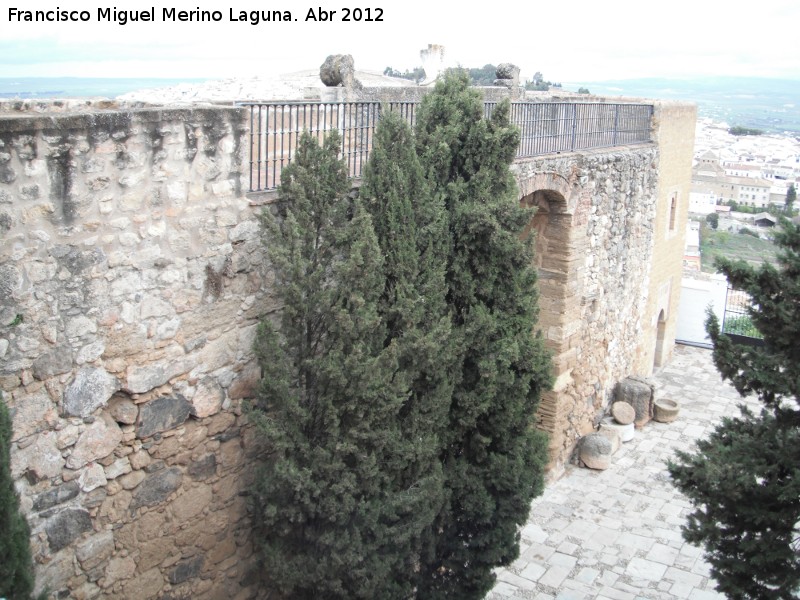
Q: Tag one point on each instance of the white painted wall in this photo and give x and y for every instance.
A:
(696, 295)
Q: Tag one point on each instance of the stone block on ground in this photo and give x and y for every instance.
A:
(623, 413)
(596, 450)
(637, 392)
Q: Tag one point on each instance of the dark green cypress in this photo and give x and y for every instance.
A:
(744, 479)
(492, 456)
(16, 566)
(411, 227)
(335, 515)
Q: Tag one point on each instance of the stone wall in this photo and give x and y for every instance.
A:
(131, 279)
(610, 238)
(594, 248)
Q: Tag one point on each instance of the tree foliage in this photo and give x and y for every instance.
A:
(744, 480)
(16, 566)
(738, 130)
(416, 75)
(492, 456)
(484, 75)
(411, 228)
(538, 84)
(334, 514)
(400, 383)
(713, 220)
(791, 197)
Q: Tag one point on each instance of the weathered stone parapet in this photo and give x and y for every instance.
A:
(131, 280)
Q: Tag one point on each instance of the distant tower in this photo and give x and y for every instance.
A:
(432, 62)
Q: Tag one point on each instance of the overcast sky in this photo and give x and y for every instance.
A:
(581, 40)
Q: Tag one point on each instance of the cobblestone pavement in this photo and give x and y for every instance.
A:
(615, 534)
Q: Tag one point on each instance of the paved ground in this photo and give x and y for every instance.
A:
(615, 534)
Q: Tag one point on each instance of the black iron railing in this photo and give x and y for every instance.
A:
(736, 320)
(545, 128)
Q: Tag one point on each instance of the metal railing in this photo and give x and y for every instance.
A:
(545, 128)
(736, 320)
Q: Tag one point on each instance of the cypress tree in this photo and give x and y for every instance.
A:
(16, 566)
(335, 509)
(791, 197)
(744, 479)
(493, 458)
(411, 228)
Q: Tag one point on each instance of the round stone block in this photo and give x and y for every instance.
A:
(623, 413)
(596, 451)
(666, 411)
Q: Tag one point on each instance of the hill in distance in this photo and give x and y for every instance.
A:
(772, 105)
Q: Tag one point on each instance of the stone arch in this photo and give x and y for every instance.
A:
(662, 348)
(559, 256)
(552, 184)
(551, 227)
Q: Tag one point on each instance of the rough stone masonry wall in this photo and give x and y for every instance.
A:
(595, 236)
(131, 280)
(130, 284)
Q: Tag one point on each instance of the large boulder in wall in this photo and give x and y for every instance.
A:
(507, 74)
(338, 70)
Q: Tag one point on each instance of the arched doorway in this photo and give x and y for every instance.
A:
(559, 257)
(661, 330)
(551, 227)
